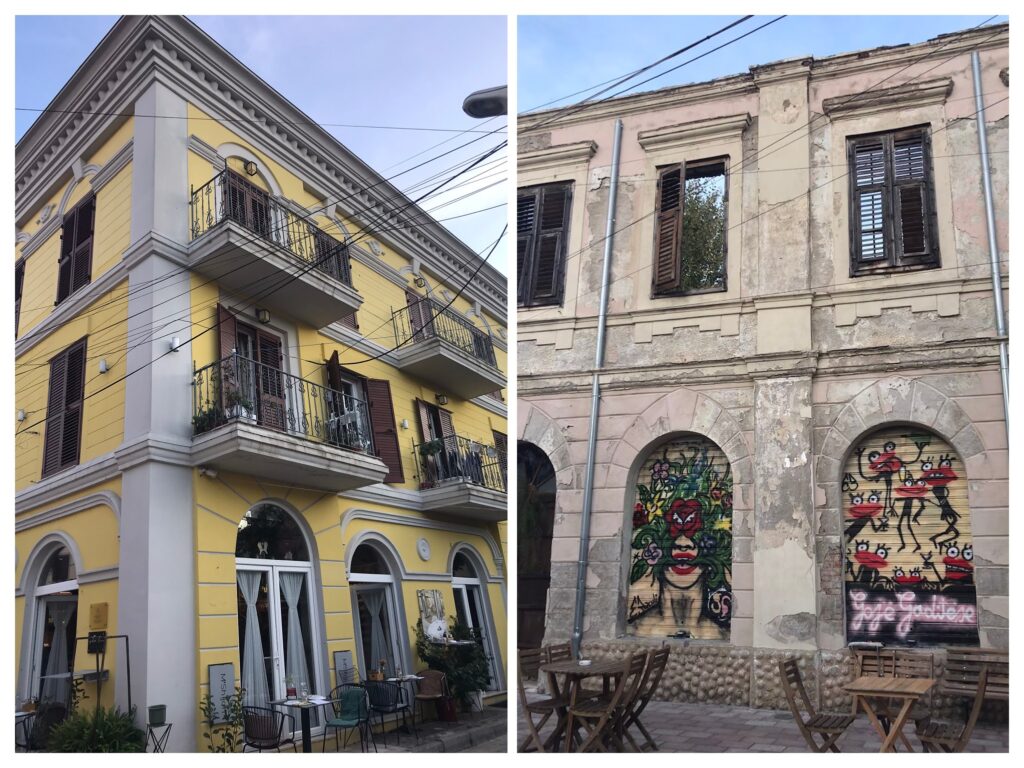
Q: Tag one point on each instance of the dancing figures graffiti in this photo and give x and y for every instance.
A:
(909, 558)
(681, 565)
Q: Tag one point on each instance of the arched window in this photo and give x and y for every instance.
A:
(472, 609)
(909, 562)
(535, 522)
(379, 632)
(56, 616)
(278, 636)
(680, 571)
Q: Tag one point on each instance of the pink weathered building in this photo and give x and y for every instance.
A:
(801, 439)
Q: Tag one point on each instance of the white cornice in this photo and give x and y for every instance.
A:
(905, 96)
(149, 448)
(179, 54)
(121, 158)
(578, 153)
(65, 483)
(105, 498)
(698, 131)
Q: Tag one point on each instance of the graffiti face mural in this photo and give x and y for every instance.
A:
(909, 556)
(680, 576)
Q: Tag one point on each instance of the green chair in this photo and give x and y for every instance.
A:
(351, 710)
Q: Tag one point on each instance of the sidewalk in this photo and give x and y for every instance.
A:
(477, 731)
(679, 727)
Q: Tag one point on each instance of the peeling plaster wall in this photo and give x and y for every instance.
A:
(786, 368)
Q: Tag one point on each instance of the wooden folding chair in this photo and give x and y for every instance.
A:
(531, 659)
(953, 737)
(559, 652)
(656, 664)
(601, 717)
(829, 726)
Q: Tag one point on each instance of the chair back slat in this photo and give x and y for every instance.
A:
(559, 652)
(530, 660)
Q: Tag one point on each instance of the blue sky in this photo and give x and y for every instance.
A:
(585, 51)
(366, 70)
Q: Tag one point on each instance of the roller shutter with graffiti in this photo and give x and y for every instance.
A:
(680, 575)
(909, 568)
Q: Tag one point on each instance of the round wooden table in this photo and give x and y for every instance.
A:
(575, 673)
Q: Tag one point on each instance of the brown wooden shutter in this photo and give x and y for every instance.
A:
(447, 428)
(349, 321)
(228, 330)
(526, 220)
(423, 409)
(668, 230)
(334, 372)
(548, 268)
(382, 421)
(81, 268)
(909, 172)
(271, 385)
(869, 210)
(19, 284)
(67, 249)
(62, 442)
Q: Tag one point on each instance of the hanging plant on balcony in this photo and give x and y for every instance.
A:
(431, 447)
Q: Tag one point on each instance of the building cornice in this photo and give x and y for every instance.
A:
(100, 498)
(176, 52)
(729, 127)
(905, 96)
(578, 153)
(66, 483)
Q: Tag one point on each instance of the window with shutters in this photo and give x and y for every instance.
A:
(892, 208)
(542, 234)
(690, 229)
(19, 283)
(74, 270)
(63, 439)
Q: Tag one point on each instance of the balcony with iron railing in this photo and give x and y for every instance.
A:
(249, 242)
(438, 345)
(463, 477)
(255, 419)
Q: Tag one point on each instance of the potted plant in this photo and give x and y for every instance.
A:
(431, 447)
(98, 730)
(223, 726)
(464, 663)
(207, 419)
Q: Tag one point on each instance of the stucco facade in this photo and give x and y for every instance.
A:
(788, 367)
(182, 447)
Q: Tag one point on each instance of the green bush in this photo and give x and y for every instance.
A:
(465, 666)
(99, 730)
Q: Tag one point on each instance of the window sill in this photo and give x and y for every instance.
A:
(697, 292)
(888, 269)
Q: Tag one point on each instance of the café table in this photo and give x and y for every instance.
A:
(906, 689)
(304, 707)
(403, 681)
(575, 673)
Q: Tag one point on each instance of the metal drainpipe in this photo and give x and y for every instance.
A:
(993, 247)
(595, 400)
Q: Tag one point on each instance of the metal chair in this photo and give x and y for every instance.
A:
(263, 728)
(432, 687)
(953, 737)
(829, 726)
(351, 709)
(389, 699)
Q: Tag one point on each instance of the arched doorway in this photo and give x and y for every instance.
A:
(472, 609)
(277, 605)
(680, 567)
(378, 629)
(535, 520)
(53, 636)
(909, 562)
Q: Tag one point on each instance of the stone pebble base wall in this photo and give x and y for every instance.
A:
(749, 677)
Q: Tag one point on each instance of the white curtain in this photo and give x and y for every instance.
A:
(295, 652)
(254, 673)
(380, 648)
(57, 677)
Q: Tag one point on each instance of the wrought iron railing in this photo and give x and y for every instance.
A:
(428, 319)
(239, 389)
(455, 458)
(229, 197)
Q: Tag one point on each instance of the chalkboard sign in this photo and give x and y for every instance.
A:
(222, 685)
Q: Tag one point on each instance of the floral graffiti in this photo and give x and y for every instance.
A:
(681, 567)
(909, 556)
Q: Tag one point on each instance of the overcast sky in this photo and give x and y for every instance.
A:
(587, 50)
(359, 70)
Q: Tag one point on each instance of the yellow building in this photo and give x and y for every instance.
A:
(263, 422)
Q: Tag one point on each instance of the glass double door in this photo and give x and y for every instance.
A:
(470, 609)
(278, 598)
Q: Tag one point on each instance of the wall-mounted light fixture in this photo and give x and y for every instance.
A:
(263, 316)
(442, 399)
(175, 343)
(404, 424)
(419, 281)
(250, 167)
(22, 415)
(103, 366)
(208, 472)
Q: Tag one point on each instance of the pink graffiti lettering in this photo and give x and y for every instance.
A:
(905, 611)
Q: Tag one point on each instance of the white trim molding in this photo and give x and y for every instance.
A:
(65, 483)
(100, 498)
(904, 96)
(696, 132)
(577, 153)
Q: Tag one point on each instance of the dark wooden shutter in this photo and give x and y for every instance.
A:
(382, 421)
(67, 249)
(526, 221)
(334, 372)
(62, 443)
(228, 330)
(424, 410)
(869, 210)
(81, 269)
(271, 385)
(19, 284)
(668, 230)
(445, 417)
(349, 321)
(909, 175)
(548, 267)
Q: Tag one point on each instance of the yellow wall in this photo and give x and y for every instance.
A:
(105, 324)
(112, 231)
